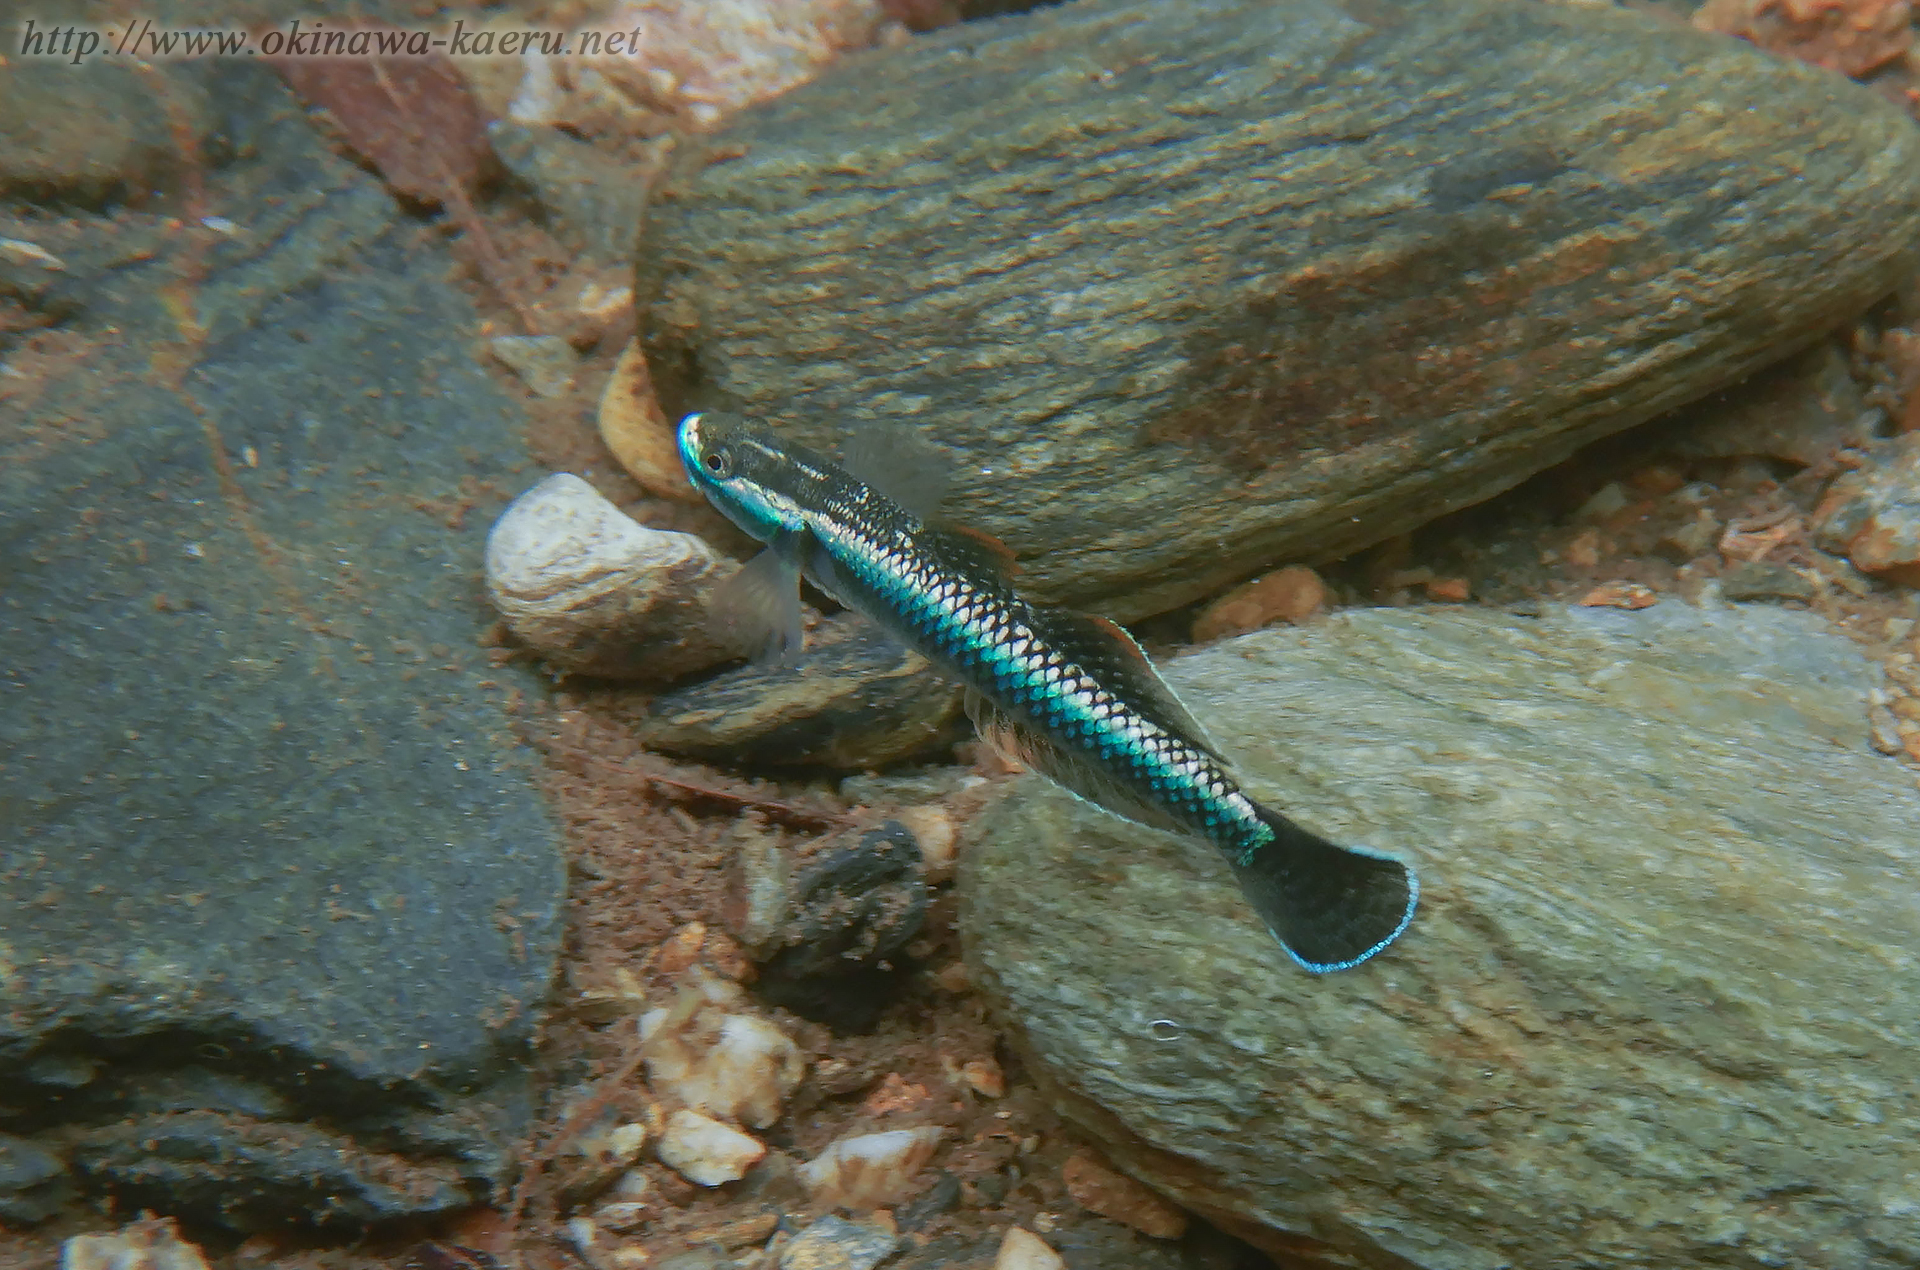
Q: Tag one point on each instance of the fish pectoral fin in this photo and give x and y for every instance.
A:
(757, 610)
(1079, 774)
(1114, 660)
(898, 462)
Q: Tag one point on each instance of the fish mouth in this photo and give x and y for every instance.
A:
(690, 443)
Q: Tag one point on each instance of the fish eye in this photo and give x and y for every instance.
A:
(719, 463)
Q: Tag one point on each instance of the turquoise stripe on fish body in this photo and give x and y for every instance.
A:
(1067, 694)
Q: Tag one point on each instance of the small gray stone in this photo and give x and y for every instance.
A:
(1759, 580)
(846, 912)
(695, 1259)
(546, 363)
(97, 130)
(1691, 539)
(1872, 516)
(33, 1181)
(1652, 1010)
(941, 1198)
(595, 593)
(834, 1243)
(855, 901)
(593, 199)
(1801, 410)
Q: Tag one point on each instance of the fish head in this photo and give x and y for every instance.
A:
(760, 483)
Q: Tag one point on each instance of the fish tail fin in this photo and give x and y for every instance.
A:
(1330, 907)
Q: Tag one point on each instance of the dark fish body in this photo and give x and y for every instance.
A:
(1069, 695)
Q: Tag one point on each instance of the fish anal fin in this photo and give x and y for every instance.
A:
(757, 609)
(1111, 656)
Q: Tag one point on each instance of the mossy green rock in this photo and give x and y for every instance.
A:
(1187, 289)
(1658, 1006)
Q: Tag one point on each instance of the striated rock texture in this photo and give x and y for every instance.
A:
(1659, 1004)
(1188, 289)
(854, 699)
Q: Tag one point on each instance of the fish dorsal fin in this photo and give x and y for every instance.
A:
(1117, 663)
(757, 610)
(898, 462)
(1081, 774)
(974, 552)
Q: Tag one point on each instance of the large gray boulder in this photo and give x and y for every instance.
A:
(1659, 1006)
(1189, 288)
(279, 900)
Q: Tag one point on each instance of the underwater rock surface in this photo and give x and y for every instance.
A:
(1190, 289)
(1658, 1006)
(854, 699)
(277, 897)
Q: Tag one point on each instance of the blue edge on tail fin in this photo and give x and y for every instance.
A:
(1331, 907)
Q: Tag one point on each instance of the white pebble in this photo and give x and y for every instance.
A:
(544, 362)
(584, 1235)
(932, 828)
(706, 1152)
(867, 1171)
(21, 252)
(710, 1052)
(596, 593)
(153, 1244)
(623, 1216)
(1024, 1250)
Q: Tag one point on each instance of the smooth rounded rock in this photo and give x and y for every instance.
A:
(1658, 1006)
(1188, 290)
(596, 593)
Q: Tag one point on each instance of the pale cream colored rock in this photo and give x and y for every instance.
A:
(641, 67)
(1023, 1250)
(584, 1235)
(596, 593)
(623, 1216)
(712, 1051)
(932, 828)
(706, 1152)
(153, 1244)
(868, 1170)
(638, 433)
